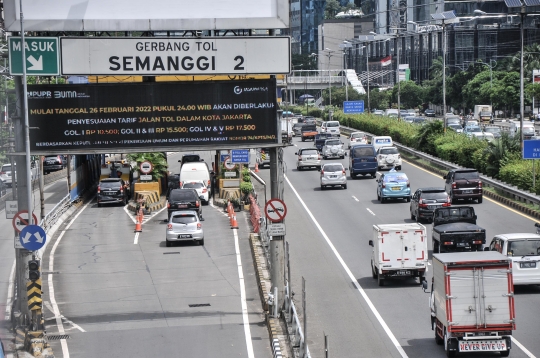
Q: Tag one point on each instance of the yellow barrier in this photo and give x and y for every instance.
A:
(152, 186)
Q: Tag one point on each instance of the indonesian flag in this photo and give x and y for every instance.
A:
(386, 61)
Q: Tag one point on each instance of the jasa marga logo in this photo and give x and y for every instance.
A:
(238, 89)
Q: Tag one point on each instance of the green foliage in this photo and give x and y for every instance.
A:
(427, 134)
(246, 177)
(158, 160)
(519, 172)
(412, 95)
(504, 148)
(378, 99)
(458, 148)
(303, 62)
(246, 187)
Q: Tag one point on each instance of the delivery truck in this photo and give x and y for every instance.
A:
(399, 251)
(483, 113)
(472, 302)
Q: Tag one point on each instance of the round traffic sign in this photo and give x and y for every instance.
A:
(229, 164)
(275, 210)
(146, 167)
(32, 237)
(20, 220)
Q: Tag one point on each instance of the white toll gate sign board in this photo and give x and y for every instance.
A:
(275, 210)
(175, 56)
(12, 207)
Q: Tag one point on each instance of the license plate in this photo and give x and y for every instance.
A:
(182, 206)
(333, 176)
(432, 207)
(109, 193)
(466, 191)
(482, 346)
(185, 236)
(403, 273)
(527, 264)
(363, 160)
(396, 188)
(461, 244)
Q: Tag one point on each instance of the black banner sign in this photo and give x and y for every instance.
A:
(95, 117)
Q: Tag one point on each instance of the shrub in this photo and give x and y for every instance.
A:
(246, 187)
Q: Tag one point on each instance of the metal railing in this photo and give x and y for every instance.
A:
(296, 335)
(52, 216)
(507, 189)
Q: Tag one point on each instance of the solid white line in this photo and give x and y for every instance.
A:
(245, 316)
(371, 212)
(351, 276)
(56, 311)
(10, 292)
(525, 350)
(355, 198)
(136, 240)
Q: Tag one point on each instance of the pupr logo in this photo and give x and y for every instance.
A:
(237, 89)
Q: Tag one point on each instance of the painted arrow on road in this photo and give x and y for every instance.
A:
(37, 65)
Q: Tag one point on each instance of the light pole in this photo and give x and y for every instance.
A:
(329, 53)
(294, 90)
(345, 45)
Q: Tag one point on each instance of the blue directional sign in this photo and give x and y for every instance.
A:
(531, 149)
(32, 237)
(240, 156)
(353, 107)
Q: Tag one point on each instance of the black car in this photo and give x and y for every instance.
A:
(53, 162)
(463, 184)
(429, 112)
(112, 190)
(184, 199)
(426, 200)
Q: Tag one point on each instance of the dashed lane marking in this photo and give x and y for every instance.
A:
(355, 198)
(371, 212)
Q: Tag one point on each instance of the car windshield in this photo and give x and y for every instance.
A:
(528, 247)
(485, 113)
(454, 126)
(466, 175)
(388, 151)
(310, 152)
(456, 213)
(434, 195)
(333, 142)
(298, 125)
(419, 119)
(474, 129)
(109, 184)
(357, 135)
(395, 177)
(333, 168)
(492, 129)
(332, 124)
(528, 130)
(363, 151)
(177, 195)
(183, 219)
(193, 185)
(309, 127)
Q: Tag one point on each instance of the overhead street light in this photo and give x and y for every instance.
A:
(329, 53)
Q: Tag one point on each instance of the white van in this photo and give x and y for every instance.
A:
(194, 171)
(382, 141)
(331, 127)
(391, 111)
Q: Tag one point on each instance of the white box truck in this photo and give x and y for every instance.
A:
(472, 302)
(483, 113)
(399, 250)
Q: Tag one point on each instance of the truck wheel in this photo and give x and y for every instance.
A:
(438, 338)
(373, 272)
(303, 139)
(421, 278)
(380, 279)
(435, 247)
(412, 216)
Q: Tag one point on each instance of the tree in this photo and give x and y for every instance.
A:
(412, 95)
(332, 8)
(378, 99)
(303, 62)
(531, 61)
(158, 160)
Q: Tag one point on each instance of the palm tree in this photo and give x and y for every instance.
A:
(531, 60)
(498, 150)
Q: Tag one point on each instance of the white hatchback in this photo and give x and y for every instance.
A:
(331, 127)
(524, 251)
(388, 158)
(357, 138)
(308, 158)
(333, 174)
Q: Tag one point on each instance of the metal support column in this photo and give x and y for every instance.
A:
(277, 251)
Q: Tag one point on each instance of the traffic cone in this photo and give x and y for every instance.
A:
(229, 209)
(138, 224)
(256, 167)
(234, 224)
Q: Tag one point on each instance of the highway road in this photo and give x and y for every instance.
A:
(328, 233)
(119, 294)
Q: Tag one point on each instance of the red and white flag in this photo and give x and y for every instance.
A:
(386, 61)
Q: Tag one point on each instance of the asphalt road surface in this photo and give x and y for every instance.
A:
(328, 233)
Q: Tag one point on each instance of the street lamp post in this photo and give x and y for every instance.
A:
(329, 54)
(346, 45)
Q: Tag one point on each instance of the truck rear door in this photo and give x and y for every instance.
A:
(412, 248)
(480, 298)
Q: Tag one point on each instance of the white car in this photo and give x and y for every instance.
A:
(308, 158)
(524, 251)
(333, 148)
(388, 158)
(357, 138)
(331, 127)
(333, 174)
(5, 174)
(200, 187)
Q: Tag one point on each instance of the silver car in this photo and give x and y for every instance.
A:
(357, 138)
(333, 174)
(184, 226)
(308, 158)
(333, 148)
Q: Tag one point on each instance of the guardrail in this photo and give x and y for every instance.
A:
(296, 335)
(52, 216)
(509, 190)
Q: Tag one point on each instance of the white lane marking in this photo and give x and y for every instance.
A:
(525, 350)
(351, 276)
(429, 263)
(132, 216)
(136, 239)
(10, 292)
(245, 316)
(56, 310)
(355, 198)
(371, 212)
(48, 305)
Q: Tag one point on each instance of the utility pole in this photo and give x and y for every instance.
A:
(277, 249)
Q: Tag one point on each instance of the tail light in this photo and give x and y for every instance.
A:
(169, 227)
(322, 172)
(121, 190)
(208, 183)
(197, 203)
(204, 190)
(448, 202)
(454, 186)
(299, 158)
(2, 173)
(319, 158)
(480, 184)
(181, 184)
(199, 225)
(421, 204)
(343, 172)
(168, 205)
(98, 188)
